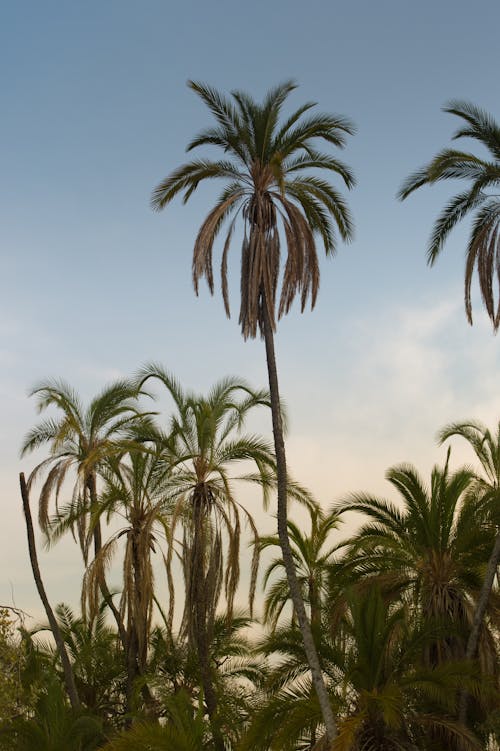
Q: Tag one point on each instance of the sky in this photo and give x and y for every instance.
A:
(93, 284)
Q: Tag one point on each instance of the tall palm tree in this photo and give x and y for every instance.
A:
(203, 444)
(267, 170)
(480, 199)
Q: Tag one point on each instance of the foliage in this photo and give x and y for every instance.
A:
(12, 662)
(263, 169)
(391, 607)
(482, 253)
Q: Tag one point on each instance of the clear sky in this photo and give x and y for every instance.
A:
(95, 111)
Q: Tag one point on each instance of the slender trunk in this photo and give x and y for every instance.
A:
(69, 678)
(140, 614)
(482, 604)
(298, 603)
(200, 621)
(136, 650)
(102, 584)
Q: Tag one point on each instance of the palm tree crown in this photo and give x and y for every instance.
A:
(80, 438)
(484, 175)
(264, 167)
(430, 551)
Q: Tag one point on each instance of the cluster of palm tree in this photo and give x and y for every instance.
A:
(403, 612)
(391, 636)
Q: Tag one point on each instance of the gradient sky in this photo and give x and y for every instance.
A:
(93, 284)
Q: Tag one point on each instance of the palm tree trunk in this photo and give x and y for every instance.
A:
(482, 604)
(298, 603)
(69, 678)
(92, 485)
(198, 588)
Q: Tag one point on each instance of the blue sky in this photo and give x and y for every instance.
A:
(96, 111)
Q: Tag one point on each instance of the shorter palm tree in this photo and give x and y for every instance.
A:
(486, 446)
(204, 443)
(80, 438)
(184, 730)
(98, 662)
(392, 702)
(135, 490)
(52, 726)
(312, 554)
(385, 700)
(430, 550)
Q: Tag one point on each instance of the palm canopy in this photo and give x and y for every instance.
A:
(384, 698)
(263, 167)
(484, 176)
(203, 446)
(431, 549)
(312, 554)
(486, 446)
(80, 438)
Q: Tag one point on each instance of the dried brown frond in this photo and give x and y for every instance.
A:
(202, 252)
(93, 578)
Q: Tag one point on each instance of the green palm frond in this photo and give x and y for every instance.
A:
(261, 155)
(481, 200)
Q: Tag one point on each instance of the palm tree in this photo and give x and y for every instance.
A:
(481, 199)
(486, 447)
(172, 669)
(97, 661)
(204, 442)
(69, 678)
(392, 701)
(386, 700)
(185, 730)
(135, 491)
(312, 559)
(263, 168)
(430, 550)
(52, 725)
(80, 438)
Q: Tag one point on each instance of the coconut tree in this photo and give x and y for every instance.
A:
(480, 199)
(270, 170)
(203, 445)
